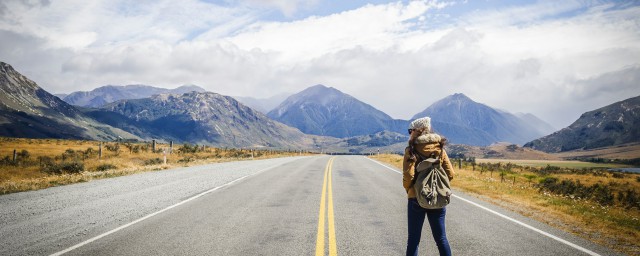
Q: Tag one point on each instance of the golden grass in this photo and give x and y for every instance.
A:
(611, 226)
(27, 174)
(559, 163)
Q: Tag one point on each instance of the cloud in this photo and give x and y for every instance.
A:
(550, 59)
(287, 7)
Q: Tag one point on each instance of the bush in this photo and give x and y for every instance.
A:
(186, 159)
(597, 192)
(65, 167)
(23, 155)
(153, 161)
(105, 167)
(629, 199)
(618, 175)
(186, 148)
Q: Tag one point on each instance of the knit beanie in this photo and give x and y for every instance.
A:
(421, 123)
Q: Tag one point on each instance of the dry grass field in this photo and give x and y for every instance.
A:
(626, 151)
(42, 163)
(558, 163)
(607, 213)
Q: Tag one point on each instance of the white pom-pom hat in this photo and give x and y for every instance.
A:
(423, 123)
(427, 134)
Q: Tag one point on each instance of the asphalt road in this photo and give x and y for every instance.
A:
(270, 207)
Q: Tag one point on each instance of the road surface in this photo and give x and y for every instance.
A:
(321, 205)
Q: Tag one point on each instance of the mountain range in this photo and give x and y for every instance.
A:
(327, 111)
(615, 124)
(199, 117)
(111, 93)
(317, 117)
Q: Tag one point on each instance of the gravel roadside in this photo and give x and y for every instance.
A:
(49, 220)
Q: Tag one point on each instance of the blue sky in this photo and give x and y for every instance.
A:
(554, 59)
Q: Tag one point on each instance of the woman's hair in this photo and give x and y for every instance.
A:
(412, 139)
(412, 152)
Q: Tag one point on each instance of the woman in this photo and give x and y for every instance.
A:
(423, 142)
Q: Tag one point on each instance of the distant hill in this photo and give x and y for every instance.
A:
(464, 121)
(200, 117)
(263, 105)
(111, 93)
(383, 142)
(322, 110)
(499, 151)
(28, 111)
(615, 124)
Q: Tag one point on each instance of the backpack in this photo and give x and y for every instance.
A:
(431, 183)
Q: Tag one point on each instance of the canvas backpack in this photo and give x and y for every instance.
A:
(431, 183)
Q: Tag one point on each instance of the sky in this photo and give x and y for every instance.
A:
(554, 59)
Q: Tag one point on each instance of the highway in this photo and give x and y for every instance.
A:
(321, 205)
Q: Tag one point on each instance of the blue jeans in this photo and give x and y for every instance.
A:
(415, 217)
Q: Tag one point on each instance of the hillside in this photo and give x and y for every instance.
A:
(612, 125)
(28, 111)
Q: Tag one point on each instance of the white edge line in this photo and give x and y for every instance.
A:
(587, 251)
(155, 213)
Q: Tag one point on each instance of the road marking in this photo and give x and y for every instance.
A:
(333, 250)
(587, 251)
(320, 234)
(155, 213)
(327, 191)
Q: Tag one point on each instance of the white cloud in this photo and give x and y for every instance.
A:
(522, 59)
(287, 7)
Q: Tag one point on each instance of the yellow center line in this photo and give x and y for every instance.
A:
(326, 186)
(333, 250)
(320, 235)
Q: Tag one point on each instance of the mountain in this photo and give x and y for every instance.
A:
(322, 110)
(263, 105)
(615, 124)
(28, 111)
(541, 126)
(111, 93)
(464, 121)
(199, 117)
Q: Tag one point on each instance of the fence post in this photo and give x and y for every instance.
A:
(153, 146)
(170, 147)
(14, 155)
(100, 151)
(459, 163)
(164, 153)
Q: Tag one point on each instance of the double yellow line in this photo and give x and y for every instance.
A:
(326, 186)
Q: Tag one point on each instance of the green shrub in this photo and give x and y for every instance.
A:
(65, 167)
(618, 175)
(153, 161)
(23, 155)
(105, 167)
(186, 159)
